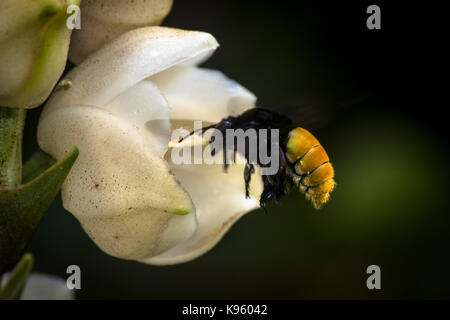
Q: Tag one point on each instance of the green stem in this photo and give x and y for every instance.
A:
(12, 121)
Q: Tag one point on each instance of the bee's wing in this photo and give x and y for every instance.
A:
(317, 114)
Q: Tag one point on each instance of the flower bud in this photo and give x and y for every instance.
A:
(34, 41)
(105, 20)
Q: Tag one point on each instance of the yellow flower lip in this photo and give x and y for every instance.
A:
(181, 211)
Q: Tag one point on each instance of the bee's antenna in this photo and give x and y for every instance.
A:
(203, 130)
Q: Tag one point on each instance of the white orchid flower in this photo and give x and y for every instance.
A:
(128, 195)
(34, 41)
(104, 20)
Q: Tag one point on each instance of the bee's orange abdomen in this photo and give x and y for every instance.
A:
(319, 175)
(311, 160)
(322, 188)
(299, 142)
(312, 164)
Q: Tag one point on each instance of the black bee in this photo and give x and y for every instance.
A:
(303, 161)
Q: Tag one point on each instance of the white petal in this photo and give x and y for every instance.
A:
(144, 107)
(202, 94)
(120, 188)
(40, 286)
(129, 59)
(105, 20)
(219, 200)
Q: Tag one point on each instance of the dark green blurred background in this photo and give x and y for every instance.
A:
(388, 149)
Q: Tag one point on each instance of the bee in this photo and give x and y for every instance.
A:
(303, 162)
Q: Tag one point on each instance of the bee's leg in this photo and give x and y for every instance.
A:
(266, 196)
(276, 185)
(248, 171)
(225, 153)
(286, 175)
(279, 188)
(268, 193)
(213, 151)
(225, 159)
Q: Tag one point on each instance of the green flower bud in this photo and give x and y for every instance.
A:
(34, 41)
